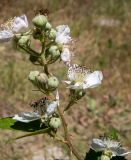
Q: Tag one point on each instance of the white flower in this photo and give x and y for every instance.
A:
(15, 25)
(26, 117)
(109, 145)
(39, 110)
(82, 78)
(63, 34)
(51, 106)
(66, 55)
(19, 24)
(6, 35)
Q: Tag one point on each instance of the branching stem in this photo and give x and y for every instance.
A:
(67, 138)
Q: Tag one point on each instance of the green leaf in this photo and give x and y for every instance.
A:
(6, 123)
(11, 124)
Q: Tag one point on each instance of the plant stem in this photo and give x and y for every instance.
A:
(69, 105)
(67, 138)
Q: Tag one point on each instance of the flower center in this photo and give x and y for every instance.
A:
(79, 77)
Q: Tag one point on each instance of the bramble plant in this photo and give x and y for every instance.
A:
(47, 116)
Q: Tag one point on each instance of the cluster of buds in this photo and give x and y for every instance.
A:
(55, 45)
(53, 40)
(43, 82)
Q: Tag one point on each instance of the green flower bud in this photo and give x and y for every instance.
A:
(23, 40)
(105, 157)
(52, 34)
(52, 83)
(32, 76)
(42, 78)
(55, 123)
(80, 94)
(53, 50)
(48, 26)
(39, 21)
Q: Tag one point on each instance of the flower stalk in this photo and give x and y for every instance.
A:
(67, 138)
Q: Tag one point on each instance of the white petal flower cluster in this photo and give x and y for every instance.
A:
(27, 117)
(82, 78)
(16, 25)
(100, 145)
(63, 37)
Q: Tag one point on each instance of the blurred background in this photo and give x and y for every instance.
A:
(102, 34)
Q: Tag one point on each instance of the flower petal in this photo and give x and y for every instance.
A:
(122, 152)
(63, 34)
(26, 117)
(66, 55)
(6, 35)
(57, 97)
(20, 23)
(93, 80)
(51, 107)
(97, 145)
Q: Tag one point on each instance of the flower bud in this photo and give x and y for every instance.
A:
(52, 83)
(42, 78)
(55, 123)
(79, 94)
(48, 26)
(52, 34)
(39, 21)
(32, 76)
(23, 40)
(55, 53)
(105, 157)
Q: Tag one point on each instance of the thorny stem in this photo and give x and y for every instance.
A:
(67, 138)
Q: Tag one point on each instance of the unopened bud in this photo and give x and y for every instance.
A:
(52, 34)
(55, 123)
(105, 157)
(54, 51)
(39, 21)
(80, 93)
(48, 26)
(52, 83)
(42, 78)
(32, 76)
(23, 40)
